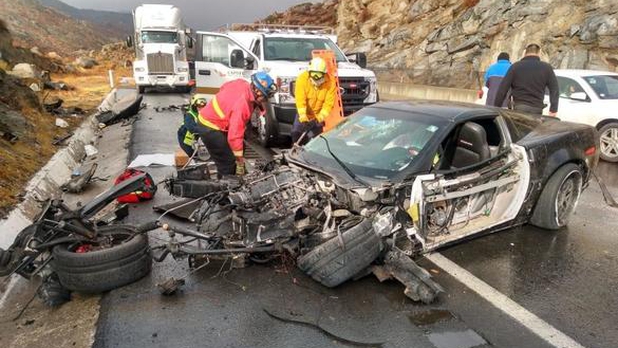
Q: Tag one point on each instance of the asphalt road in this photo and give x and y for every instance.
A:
(566, 278)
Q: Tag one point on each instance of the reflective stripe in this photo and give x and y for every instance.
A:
(207, 123)
(302, 110)
(237, 153)
(215, 106)
(194, 114)
(189, 138)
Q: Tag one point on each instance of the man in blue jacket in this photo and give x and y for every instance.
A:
(493, 77)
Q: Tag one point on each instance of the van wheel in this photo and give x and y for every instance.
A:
(267, 133)
(559, 198)
(609, 142)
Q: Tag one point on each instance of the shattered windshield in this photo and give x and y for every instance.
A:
(605, 86)
(159, 37)
(375, 145)
(298, 49)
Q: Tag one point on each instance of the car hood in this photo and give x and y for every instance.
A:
(287, 68)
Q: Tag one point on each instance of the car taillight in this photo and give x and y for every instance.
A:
(479, 94)
(591, 151)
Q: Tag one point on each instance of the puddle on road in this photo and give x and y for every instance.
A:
(456, 339)
(430, 317)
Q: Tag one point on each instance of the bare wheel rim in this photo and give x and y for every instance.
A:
(262, 128)
(609, 142)
(567, 197)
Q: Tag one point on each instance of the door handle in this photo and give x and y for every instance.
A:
(204, 72)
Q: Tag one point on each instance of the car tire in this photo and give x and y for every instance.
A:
(106, 269)
(267, 132)
(558, 198)
(609, 151)
(331, 264)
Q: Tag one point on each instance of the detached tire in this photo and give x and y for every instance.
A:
(105, 269)
(331, 265)
(558, 198)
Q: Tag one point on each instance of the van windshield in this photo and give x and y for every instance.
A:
(159, 37)
(298, 49)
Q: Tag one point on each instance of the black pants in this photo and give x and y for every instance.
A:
(528, 109)
(219, 150)
(184, 138)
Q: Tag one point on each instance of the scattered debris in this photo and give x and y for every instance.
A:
(170, 286)
(85, 62)
(60, 140)
(50, 107)
(153, 159)
(116, 108)
(58, 86)
(90, 150)
(35, 87)
(61, 123)
(79, 180)
(171, 107)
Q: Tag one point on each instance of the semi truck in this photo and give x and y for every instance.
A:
(283, 51)
(161, 41)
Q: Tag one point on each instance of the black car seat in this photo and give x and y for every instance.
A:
(471, 147)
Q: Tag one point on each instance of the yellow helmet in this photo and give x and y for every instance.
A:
(197, 101)
(317, 64)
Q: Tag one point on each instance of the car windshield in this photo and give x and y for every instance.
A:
(605, 86)
(298, 49)
(159, 37)
(377, 144)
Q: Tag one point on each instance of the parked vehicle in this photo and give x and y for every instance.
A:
(589, 97)
(284, 52)
(161, 40)
(388, 184)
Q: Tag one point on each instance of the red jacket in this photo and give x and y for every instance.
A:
(229, 111)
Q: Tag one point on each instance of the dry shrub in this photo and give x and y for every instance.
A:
(363, 15)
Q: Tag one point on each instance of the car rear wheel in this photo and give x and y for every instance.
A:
(559, 198)
(609, 142)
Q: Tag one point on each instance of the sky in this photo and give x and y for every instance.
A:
(200, 14)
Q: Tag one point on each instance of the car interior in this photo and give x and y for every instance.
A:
(471, 143)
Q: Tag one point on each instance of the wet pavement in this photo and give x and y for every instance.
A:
(564, 277)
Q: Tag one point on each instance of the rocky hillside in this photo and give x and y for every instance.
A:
(114, 25)
(451, 42)
(35, 25)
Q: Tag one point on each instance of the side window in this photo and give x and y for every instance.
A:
(256, 48)
(217, 49)
(568, 86)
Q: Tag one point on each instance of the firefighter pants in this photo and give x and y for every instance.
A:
(219, 150)
(312, 128)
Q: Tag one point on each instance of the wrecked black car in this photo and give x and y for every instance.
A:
(391, 182)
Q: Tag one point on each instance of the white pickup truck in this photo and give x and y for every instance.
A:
(284, 52)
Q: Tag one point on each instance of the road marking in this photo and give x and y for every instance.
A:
(535, 324)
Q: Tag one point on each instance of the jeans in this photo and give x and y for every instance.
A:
(528, 109)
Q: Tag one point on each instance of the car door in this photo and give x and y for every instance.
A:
(479, 181)
(572, 107)
(219, 59)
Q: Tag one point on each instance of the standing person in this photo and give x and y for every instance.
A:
(527, 80)
(223, 121)
(493, 77)
(187, 133)
(315, 94)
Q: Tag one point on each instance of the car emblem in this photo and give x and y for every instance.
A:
(341, 90)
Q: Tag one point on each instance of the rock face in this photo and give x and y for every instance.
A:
(452, 42)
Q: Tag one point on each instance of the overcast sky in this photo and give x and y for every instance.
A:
(200, 14)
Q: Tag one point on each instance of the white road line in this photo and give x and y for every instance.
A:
(535, 324)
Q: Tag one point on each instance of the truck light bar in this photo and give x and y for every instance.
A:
(277, 28)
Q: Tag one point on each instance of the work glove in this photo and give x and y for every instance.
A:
(240, 166)
(320, 117)
(302, 118)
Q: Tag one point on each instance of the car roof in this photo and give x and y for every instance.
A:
(446, 110)
(582, 72)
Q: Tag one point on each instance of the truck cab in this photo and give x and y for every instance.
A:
(284, 52)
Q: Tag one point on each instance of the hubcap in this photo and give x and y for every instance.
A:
(567, 198)
(609, 142)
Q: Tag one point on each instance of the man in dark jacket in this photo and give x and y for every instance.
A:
(527, 80)
(493, 77)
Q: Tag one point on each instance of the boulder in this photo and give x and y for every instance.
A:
(25, 71)
(85, 62)
(12, 122)
(35, 50)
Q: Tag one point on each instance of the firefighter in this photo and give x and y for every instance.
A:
(187, 133)
(315, 94)
(223, 120)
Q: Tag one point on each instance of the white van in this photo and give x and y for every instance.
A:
(284, 52)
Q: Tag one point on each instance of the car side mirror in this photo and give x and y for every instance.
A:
(359, 58)
(129, 41)
(579, 96)
(249, 63)
(237, 59)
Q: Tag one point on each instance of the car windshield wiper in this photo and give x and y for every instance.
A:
(347, 170)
